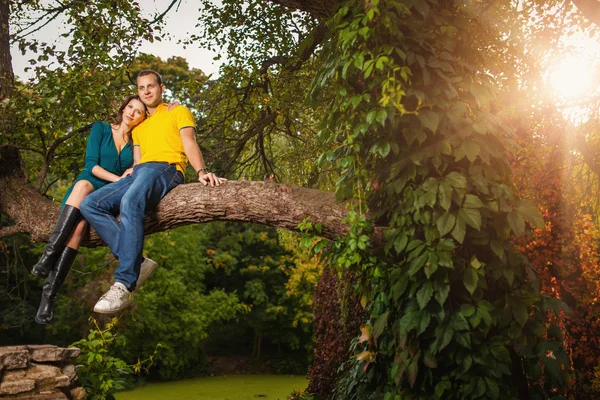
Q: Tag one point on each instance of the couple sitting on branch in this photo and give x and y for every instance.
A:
(129, 167)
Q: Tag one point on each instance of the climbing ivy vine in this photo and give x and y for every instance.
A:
(455, 311)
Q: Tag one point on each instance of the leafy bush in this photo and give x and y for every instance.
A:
(100, 373)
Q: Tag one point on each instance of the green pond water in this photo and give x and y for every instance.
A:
(236, 387)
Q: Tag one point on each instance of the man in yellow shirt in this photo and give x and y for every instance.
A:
(163, 144)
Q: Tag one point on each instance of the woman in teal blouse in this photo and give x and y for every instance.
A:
(108, 158)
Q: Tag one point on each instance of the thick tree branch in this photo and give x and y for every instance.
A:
(268, 203)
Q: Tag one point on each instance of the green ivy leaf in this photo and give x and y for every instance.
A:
(552, 368)
(399, 287)
(521, 314)
(445, 195)
(492, 388)
(472, 201)
(442, 386)
(497, 248)
(422, 7)
(457, 180)
(470, 280)
(442, 290)
(475, 262)
(445, 223)
(459, 323)
(516, 223)
(409, 321)
(459, 230)
(471, 216)
(380, 324)
(471, 150)
(416, 264)
(400, 243)
(467, 310)
(531, 213)
(424, 295)
(381, 117)
(554, 332)
(429, 360)
(371, 116)
(429, 119)
(443, 336)
(424, 323)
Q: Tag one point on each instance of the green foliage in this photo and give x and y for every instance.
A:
(48, 117)
(179, 322)
(251, 32)
(100, 373)
(18, 292)
(422, 152)
(275, 281)
(238, 281)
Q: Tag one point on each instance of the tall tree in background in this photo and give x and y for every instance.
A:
(6, 73)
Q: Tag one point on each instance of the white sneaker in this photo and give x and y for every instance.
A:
(113, 301)
(146, 269)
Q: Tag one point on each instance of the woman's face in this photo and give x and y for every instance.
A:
(134, 113)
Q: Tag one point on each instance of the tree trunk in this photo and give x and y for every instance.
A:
(337, 318)
(6, 71)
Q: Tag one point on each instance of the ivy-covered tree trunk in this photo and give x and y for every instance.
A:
(455, 311)
(337, 318)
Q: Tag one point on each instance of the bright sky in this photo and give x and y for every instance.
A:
(179, 21)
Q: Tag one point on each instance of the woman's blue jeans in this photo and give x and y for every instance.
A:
(130, 197)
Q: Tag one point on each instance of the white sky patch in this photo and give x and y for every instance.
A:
(179, 21)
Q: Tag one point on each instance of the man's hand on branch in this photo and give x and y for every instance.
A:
(209, 178)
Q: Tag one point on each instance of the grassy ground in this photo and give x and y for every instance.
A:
(237, 387)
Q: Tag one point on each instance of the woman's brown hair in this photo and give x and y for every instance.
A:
(119, 118)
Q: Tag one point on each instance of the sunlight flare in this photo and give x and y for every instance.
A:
(572, 78)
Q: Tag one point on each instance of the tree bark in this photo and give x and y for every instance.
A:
(6, 71)
(268, 203)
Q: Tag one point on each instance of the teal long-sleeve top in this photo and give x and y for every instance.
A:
(102, 151)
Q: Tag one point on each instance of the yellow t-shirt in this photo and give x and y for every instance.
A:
(158, 136)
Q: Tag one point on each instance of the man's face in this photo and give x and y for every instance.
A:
(149, 90)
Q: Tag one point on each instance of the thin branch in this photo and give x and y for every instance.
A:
(49, 185)
(52, 149)
(57, 11)
(162, 15)
(40, 152)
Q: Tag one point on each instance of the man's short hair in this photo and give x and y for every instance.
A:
(150, 72)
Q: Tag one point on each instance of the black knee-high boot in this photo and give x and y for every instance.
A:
(67, 220)
(55, 280)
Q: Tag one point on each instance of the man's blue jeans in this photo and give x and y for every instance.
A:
(130, 197)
